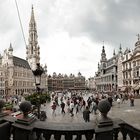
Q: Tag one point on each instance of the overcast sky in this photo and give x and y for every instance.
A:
(71, 32)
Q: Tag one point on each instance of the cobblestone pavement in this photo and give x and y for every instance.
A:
(124, 112)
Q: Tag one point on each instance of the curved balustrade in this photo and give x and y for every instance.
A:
(129, 131)
(5, 130)
(68, 131)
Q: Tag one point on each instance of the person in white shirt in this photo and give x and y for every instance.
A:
(71, 108)
(118, 102)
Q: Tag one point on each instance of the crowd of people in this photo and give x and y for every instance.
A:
(86, 102)
(12, 99)
(75, 102)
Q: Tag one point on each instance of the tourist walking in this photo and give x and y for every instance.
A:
(83, 104)
(71, 108)
(77, 107)
(53, 108)
(118, 102)
(110, 100)
(62, 107)
(131, 100)
(86, 114)
(94, 107)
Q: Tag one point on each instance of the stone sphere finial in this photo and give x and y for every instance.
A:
(25, 107)
(104, 106)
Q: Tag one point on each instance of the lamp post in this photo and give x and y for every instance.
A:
(37, 74)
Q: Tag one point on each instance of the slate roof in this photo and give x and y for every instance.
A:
(20, 62)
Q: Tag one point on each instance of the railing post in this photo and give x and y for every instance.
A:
(68, 136)
(89, 135)
(105, 133)
(47, 135)
(104, 129)
(22, 132)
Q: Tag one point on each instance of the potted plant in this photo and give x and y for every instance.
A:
(8, 106)
(37, 99)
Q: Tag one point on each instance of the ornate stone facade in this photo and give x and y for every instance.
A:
(2, 77)
(16, 73)
(106, 76)
(127, 71)
(91, 85)
(64, 82)
(121, 72)
(131, 68)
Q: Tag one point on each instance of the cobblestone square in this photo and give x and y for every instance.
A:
(124, 112)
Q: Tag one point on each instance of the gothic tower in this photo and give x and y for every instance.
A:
(103, 60)
(103, 56)
(33, 49)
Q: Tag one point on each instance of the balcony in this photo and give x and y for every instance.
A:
(77, 131)
(40, 130)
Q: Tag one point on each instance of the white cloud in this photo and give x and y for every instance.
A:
(71, 31)
(68, 54)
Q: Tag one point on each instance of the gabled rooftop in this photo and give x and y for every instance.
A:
(20, 62)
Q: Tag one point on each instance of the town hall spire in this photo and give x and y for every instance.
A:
(32, 20)
(33, 49)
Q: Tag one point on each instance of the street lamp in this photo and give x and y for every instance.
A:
(37, 74)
